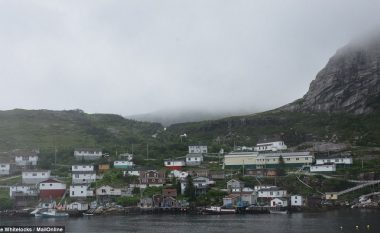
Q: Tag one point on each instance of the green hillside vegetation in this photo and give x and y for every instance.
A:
(45, 129)
(293, 127)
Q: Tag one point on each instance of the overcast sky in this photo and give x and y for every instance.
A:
(130, 57)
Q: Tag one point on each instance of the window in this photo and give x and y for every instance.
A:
(43, 184)
(72, 193)
(2, 165)
(34, 174)
(81, 191)
(51, 185)
(287, 159)
(297, 158)
(271, 193)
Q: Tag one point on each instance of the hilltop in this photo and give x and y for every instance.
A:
(69, 129)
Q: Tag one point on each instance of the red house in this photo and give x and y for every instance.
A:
(52, 189)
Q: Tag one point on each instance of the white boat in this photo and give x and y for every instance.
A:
(218, 210)
(53, 213)
(278, 211)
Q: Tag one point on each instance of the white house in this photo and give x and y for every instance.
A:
(194, 159)
(279, 202)
(26, 157)
(131, 173)
(323, 168)
(337, 159)
(234, 186)
(107, 190)
(270, 146)
(82, 168)
(179, 174)
(197, 149)
(272, 192)
(83, 174)
(83, 177)
(296, 200)
(81, 191)
(5, 169)
(34, 177)
(26, 190)
(80, 206)
(87, 154)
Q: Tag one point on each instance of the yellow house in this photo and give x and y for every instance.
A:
(331, 196)
(104, 167)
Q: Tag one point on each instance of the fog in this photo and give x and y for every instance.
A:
(132, 57)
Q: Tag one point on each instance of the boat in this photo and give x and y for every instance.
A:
(218, 210)
(278, 211)
(53, 213)
(88, 214)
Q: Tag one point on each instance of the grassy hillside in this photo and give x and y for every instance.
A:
(293, 127)
(69, 129)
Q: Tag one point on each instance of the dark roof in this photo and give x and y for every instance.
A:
(334, 156)
(25, 152)
(51, 180)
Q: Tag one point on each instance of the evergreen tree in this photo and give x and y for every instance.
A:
(190, 189)
(281, 166)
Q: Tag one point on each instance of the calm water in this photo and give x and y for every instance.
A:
(327, 222)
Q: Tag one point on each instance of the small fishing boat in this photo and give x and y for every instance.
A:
(53, 213)
(218, 210)
(278, 211)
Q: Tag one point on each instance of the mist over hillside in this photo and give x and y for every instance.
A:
(174, 116)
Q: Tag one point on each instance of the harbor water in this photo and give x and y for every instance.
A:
(336, 221)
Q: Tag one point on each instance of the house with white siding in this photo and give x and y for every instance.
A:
(195, 149)
(234, 186)
(275, 145)
(35, 176)
(26, 157)
(272, 192)
(296, 200)
(194, 159)
(80, 206)
(179, 174)
(279, 202)
(107, 190)
(87, 154)
(340, 159)
(81, 191)
(323, 168)
(23, 189)
(5, 169)
(83, 174)
(256, 160)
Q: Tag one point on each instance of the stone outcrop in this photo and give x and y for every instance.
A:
(349, 83)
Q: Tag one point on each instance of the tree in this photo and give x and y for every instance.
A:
(281, 166)
(190, 189)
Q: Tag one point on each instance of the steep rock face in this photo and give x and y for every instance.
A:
(350, 82)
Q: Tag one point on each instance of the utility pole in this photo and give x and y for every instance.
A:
(132, 148)
(55, 157)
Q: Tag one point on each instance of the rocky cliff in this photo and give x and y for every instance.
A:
(350, 82)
